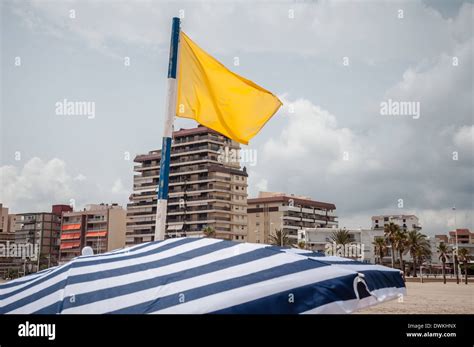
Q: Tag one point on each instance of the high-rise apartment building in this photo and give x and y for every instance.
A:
(278, 211)
(207, 188)
(101, 227)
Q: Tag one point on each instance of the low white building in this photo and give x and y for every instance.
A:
(320, 240)
(404, 221)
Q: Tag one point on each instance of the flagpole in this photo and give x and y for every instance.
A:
(170, 112)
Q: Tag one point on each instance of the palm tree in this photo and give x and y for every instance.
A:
(209, 232)
(421, 253)
(418, 247)
(380, 245)
(390, 230)
(464, 257)
(341, 237)
(443, 256)
(455, 266)
(399, 244)
(280, 238)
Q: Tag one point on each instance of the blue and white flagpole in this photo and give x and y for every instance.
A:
(170, 112)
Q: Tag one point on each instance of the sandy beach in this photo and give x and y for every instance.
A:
(430, 298)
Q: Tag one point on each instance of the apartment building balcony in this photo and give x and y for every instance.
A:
(306, 210)
(139, 208)
(28, 220)
(176, 153)
(147, 194)
(144, 185)
(291, 218)
(205, 179)
(180, 182)
(226, 219)
(140, 226)
(204, 221)
(193, 162)
(138, 232)
(70, 246)
(96, 221)
(147, 174)
(140, 168)
(292, 227)
(199, 139)
(174, 193)
(192, 201)
(73, 225)
(189, 169)
(197, 209)
(239, 222)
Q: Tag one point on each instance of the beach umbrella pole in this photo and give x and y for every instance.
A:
(170, 112)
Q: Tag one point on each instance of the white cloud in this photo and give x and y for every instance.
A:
(367, 31)
(262, 185)
(365, 173)
(443, 89)
(37, 185)
(445, 219)
(118, 188)
(80, 177)
(464, 138)
(313, 133)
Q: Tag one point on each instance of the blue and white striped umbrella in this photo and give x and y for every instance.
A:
(202, 275)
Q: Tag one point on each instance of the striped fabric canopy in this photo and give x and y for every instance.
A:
(202, 275)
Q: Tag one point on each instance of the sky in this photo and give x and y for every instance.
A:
(332, 63)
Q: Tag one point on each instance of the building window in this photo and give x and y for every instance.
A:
(385, 219)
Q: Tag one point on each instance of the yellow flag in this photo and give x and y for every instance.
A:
(218, 98)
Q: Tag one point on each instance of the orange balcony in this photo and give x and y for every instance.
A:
(69, 245)
(70, 236)
(102, 233)
(71, 226)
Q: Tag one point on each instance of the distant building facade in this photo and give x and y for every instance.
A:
(100, 226)
(274, 211)
(321, 240)
(7, 236)
(42, 230)
(465, 239)
(405, 222)
(461, 237)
